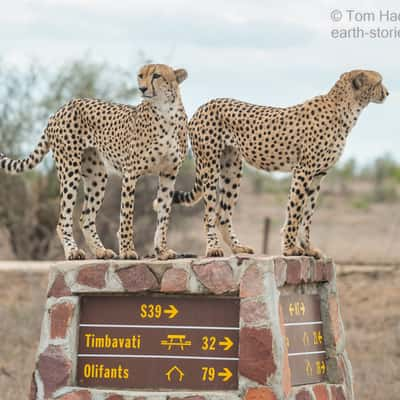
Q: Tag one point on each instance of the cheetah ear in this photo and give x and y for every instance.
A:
(180, 74)
(358, 81)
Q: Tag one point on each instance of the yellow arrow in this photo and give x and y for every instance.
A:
(226, 374)
(227, 343)
(172, 311)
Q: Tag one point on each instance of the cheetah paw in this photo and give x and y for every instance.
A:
(215, 252)
(293, 251)
(105, 254)
(76, 254)
(128, 255)
(242, 249)
(167, 254)
(314, 252)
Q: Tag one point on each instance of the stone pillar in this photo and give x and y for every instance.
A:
(259, 282)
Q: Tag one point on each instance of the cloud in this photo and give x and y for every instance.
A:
(276, 53)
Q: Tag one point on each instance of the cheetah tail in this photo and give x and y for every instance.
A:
(189, 198)
(17, 166)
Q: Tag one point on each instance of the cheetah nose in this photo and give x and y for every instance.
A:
(143, 89)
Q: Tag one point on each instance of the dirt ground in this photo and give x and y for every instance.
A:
(370, 303)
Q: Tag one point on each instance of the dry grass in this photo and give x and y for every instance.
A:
(22, 298)
(370, 305)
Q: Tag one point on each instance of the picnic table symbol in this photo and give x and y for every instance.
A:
(176, 341)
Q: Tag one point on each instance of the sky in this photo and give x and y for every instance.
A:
(264, 52)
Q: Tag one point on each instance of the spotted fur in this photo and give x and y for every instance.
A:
(306, 139)
(150, 138)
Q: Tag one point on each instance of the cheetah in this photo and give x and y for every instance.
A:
(306, 139)
(86, 135)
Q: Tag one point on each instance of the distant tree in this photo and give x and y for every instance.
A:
(29, 202)
(16, 107)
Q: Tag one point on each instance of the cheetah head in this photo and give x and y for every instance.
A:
(159, 82)
(366, 86)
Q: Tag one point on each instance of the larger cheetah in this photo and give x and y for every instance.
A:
(306, 139)
(150, 138)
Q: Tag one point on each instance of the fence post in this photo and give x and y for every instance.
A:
(267, 224)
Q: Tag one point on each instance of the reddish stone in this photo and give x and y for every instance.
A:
(174, 280)
(93, 275)
(115, 397)
(280, 271)
(260, 393)
(293, 271)
(303, 395)
(216, 276)
(78, 395)
(187, 398)
(60, 318)
(321, 392)
(252, 284)
(337, 393)
(137, 278)
(306, 268)
(33, 391)
(329, 271)
(253, 311)
(299, 270)
(318, 271)
(256, 360)
(334, 319)
(54, 369)
(59, 287)
(286, 375)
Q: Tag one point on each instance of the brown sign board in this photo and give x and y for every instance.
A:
(304, 338)
(158, 342)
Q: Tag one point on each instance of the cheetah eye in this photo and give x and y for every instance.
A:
(156, 76)
(140, 76)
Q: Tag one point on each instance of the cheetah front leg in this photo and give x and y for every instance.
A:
(312, 195)
(210, 217)
(125, 234)
(297, 197)
(162, 205)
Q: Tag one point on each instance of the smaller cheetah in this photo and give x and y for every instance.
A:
(306, 139)
(150, 138)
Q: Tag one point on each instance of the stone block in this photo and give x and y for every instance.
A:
(174, 280)
(256, 359)
(253, 312)
(216, 276)
(321, 392)
(252, 282)
(137, 278)
(260, 393)
(54, 369)
(93, 275)
(59, 288)
(60, 318)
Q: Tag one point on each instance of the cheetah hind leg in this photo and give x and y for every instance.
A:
(94, 178)
(68, 191)
(231, 172)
